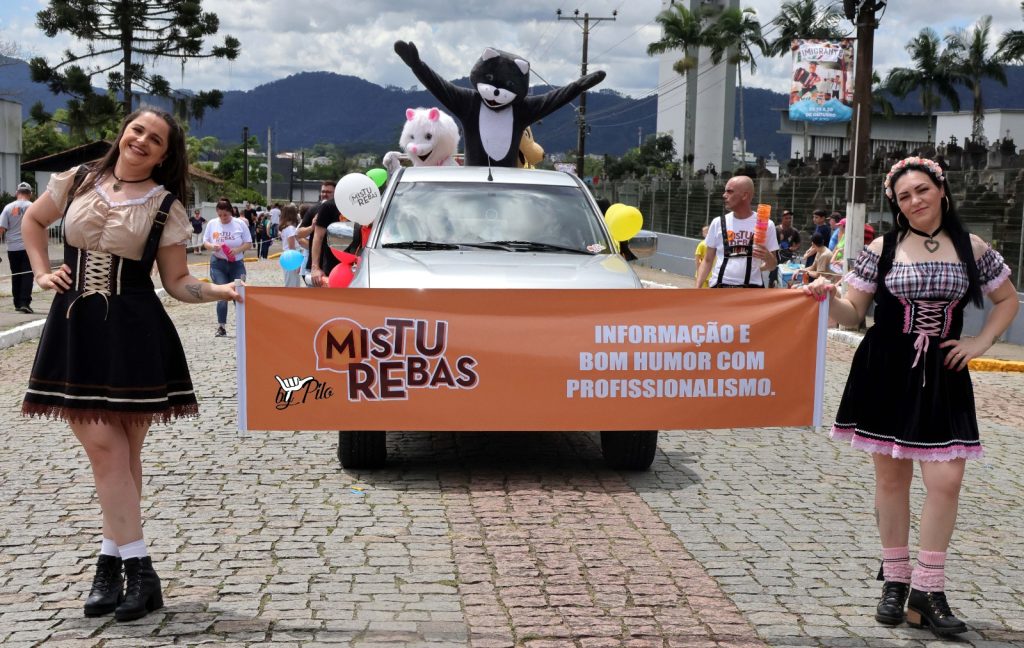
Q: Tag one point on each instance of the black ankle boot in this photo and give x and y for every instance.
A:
(142, 590)
(930, 610)
(890, 606)
(107, 587)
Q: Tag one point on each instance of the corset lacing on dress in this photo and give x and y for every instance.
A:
(926, 319)
(94, 278)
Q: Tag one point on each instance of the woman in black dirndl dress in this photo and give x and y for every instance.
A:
(109, 360)
(909, 396)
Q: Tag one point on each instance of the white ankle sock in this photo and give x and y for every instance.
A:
(109, 548)
(135, 549)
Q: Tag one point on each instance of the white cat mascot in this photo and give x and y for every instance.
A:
(429, 138)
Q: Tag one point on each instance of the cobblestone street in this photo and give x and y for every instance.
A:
(757, 537)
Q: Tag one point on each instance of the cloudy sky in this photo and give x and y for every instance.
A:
(355, 37)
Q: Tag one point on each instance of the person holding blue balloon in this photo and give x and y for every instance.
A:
(291, 257)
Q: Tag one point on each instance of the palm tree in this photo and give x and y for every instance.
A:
(804, 19)
(933, 75)
(1012, 42)
(682, 30)
(973, 64)
(880, 96)
(736, 34)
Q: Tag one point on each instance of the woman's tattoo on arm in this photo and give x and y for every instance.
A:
(196, 290)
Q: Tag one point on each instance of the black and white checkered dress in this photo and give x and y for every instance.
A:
(900, 400)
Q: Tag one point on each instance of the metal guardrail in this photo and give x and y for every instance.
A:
(675, 254)
(987, 201)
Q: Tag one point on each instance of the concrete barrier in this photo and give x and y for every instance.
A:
(675, 254)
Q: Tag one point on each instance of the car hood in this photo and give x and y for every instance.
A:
(384, 268)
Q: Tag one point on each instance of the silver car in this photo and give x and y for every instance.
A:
(479, 227)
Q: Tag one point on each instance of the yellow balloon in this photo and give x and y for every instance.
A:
(613, 211)
(624, 221)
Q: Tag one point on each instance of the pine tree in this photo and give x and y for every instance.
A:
(120, 35)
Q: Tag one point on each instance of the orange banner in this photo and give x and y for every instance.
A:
(397, 359)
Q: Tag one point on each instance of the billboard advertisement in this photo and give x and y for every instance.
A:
(822, 85)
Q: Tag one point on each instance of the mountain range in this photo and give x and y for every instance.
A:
(313, 107)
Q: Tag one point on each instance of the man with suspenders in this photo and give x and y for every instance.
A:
(732, 259)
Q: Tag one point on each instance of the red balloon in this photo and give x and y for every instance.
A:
(341, 275)
(343, 256)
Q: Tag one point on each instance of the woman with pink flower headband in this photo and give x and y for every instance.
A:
(909, 394)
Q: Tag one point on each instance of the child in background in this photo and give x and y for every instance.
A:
(289, 220)
(698, 256)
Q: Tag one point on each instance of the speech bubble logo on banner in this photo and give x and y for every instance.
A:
(338, 343)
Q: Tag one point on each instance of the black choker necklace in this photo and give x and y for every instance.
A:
(930, 243)
(118, 182)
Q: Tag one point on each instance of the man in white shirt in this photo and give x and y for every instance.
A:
(21, 270)
(733, 260)
(275, 220)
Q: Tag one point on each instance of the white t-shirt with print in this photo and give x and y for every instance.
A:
(232, 234)
(741, 236)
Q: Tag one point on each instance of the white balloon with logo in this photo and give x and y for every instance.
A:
(358, 198)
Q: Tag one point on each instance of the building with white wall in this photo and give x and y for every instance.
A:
(905, 132)
(707, 107)
(997, 124)
(902, 132)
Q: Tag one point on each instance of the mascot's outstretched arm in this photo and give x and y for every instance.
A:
(547, 103)
(455, 99)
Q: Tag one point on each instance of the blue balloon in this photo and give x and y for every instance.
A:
(290, 259)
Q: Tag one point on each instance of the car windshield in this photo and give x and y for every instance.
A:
(512, 217)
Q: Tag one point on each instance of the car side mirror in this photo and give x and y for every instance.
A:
(644, 245)
(340, 235)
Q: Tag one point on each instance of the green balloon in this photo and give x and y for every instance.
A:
(379, 176)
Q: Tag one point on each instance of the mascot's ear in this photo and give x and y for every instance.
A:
(409, 114)
(489, 53)
(524, 66)
(434, 114)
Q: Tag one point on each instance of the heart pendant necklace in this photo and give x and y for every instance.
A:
(930, 243)
(119, 182)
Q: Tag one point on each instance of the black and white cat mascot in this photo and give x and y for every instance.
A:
(495, 113)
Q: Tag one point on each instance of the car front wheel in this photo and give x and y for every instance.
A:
(629, 450)
(362, 449)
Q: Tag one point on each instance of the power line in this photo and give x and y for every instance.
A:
(582, 111)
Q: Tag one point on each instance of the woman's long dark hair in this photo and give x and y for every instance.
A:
(172, 173)
(950, 222)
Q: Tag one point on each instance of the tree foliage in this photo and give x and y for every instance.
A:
(803, 19)
(932, 75)
(39, 139)
(234, 161)
(973, 62)
(1012, 42)
(121, 35)
(681, 30)
(656, 155)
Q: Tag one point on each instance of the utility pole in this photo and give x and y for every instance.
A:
(863, 13)
(270, 166)
(582, 117)
(245, 157)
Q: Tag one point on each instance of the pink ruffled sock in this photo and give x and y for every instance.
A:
(930, 572)
(896, 564)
